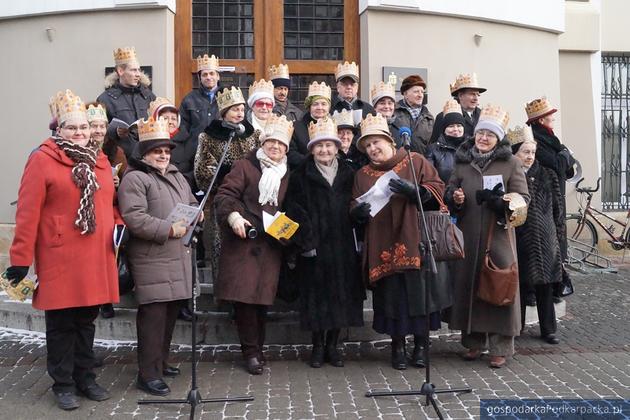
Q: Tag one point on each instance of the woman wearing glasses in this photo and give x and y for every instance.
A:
(159, 261)
(212, 142)
(261, 103)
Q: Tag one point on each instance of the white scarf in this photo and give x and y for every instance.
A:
(258, 124)
(272, 173)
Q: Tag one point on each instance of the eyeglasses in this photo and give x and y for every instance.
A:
(485, 133)
(75, 129)
(261, 104)
(161, 152)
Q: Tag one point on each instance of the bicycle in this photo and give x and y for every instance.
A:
(582, 231)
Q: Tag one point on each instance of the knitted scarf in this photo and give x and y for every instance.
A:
(328, 172)
(272, 173)
(414, 111)
(482, 159)
(83, 176)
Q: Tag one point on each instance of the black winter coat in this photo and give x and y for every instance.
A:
(339, 104)
(538, 240)
(297, 150)
(442, 155)
(183, 156)
(469, 124)
(197, 111)
(331, 290)
(421, 128)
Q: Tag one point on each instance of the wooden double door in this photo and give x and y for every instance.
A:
(248, 36)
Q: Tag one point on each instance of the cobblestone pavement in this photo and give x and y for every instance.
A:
(592, 361)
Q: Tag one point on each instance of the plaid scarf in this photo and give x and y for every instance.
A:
(83, 176)
(415, 112)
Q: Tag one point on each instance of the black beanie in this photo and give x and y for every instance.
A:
(452, 118)
(279, 81)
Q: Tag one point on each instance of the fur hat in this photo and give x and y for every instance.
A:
(411, 81)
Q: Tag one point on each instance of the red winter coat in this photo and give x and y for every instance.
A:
(73, 270)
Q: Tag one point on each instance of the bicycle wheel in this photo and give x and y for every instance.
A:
(581, 237)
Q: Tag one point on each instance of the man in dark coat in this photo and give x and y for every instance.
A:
(412, 113)
(281, 80)
(199, 107)
(347, 78)
(126, 97)
(466, 92)
(552, 154)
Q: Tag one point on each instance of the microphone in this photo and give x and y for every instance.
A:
(405, 135)
(238, 129)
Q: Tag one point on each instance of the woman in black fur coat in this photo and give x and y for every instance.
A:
(327, 268)
(538, 239)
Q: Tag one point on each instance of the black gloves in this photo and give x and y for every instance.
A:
(493, 198)
(406, 188)
(361, 213)
(16, 273)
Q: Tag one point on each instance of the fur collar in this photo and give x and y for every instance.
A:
(464, 151)
(112, 80)
(216, 131)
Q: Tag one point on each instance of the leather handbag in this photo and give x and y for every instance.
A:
(498, 286)
(446, 238)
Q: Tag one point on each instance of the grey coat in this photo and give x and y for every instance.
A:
(161, 266)
(468, 312)
(421, 128)
(291, 111)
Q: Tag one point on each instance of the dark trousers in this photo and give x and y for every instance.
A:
(155, 323)
(250, 323)
(69, 342)
(545, 308)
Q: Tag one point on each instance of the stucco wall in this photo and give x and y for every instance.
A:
(36, 68)
(514, 63)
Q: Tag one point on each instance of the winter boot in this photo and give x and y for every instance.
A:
(417, 357)
(332, 355)
(317, 354)
(399, 358)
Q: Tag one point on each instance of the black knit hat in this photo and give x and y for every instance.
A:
(452, 118)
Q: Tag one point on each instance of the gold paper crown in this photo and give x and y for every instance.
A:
(319, 89)
(322, 129)
(125, 55)
(278, 128)
(96, 113)
(67, 105)
(466, 81)
(520, 134)
(229, 97)
(382, 90)
(158, 105)
(344, 118)
(374, 124)
(261, 86)
(347, 70)
(538, 108)
(152, 129)
(207, 63)
(452, 106)
(281, 71)
(496, 114)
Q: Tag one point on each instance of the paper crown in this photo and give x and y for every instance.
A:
(125, 55)
(324, 128)
(281, 71)
(261, 86)
(343, 119)
(382, 90)
(278, 128)
(319, 89)
(373, 125)
(66, 105)
(519, 135)
(229, 97)
(159, 104)
(495, 114)
(207, 63)
(538, 108)
(96, 113)
(452, 106)
(152, 129)
(347, 70)
(465, 81)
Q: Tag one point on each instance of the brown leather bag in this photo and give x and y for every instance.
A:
(447, 239)
(498, 286)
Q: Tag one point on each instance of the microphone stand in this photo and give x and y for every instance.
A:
(430, 270)
(194, 396)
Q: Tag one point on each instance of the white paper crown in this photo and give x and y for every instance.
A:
(66, 105)
(151, 129)
(96, 113)
(229, 97)
(125, 55)
(347, 70)
(319, 89)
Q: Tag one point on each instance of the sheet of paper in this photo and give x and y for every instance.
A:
(378, 196)
(490, 181)
(357, 116)
(183, 212)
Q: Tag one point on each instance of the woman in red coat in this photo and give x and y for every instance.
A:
(64, 224)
